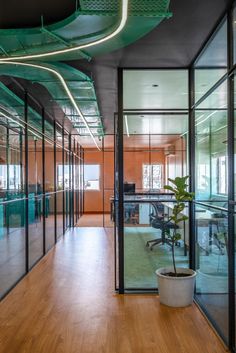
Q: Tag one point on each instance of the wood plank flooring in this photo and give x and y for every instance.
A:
(95, 220)
(67, 304)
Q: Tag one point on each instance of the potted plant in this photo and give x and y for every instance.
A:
(176, 285)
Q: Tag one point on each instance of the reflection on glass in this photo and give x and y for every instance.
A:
(13, 202)
(59, 168)
(12, 243)
(60, 196)
(211, 154)
(148, 89)
(205, 79)
(212, 264)
(49, 200)
(49, 166)
(35, 218)
(35, 204)
(13, 170)
(212, 64)
(234, 33)
(108, 179)
(67, 187)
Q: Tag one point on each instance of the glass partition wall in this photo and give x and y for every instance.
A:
(152, 105)
(212, 162)
(36, 163)
(155, 145)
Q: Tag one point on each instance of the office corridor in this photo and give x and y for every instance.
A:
(67, 304)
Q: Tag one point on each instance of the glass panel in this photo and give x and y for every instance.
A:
(76, 189)
(212, 64)
(59, 165)
(35, 216)
(212, 265)
(91, 176)
(234, 33)
(235, 141)
(146, 243)
(108, 179)
(211, 150)
(153, 176)
(148, 89)
(49, 167)
(15, 164)
(216, 100)
(35, 187)
(60, 196)
(205, 79)
(12, 244)
(66, 188)
(3, 159)
(49, 198)
(149, 159)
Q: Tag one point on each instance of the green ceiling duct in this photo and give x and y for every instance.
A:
(14, 108)
(97, 26)
(94, 20)
(79, 85)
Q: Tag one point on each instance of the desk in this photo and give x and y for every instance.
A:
(211, 219)
(203, 218)
(142, 202)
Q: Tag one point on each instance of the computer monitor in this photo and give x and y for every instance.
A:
(129, 187)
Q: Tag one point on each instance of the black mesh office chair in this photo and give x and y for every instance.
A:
(158, 221)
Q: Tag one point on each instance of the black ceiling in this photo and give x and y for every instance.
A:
(174, 43)
(27, 13)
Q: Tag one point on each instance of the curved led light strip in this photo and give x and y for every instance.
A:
(65, 88)
(124, 16)
(21, 124)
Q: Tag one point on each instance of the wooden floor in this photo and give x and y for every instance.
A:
(95, 220)
(67, 304)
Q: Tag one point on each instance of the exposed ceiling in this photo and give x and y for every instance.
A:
(174, 43)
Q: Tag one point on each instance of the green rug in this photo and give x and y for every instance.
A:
(141, 262)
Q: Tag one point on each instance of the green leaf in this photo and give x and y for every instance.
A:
(177, 236)
(168, 187)
(182, 219)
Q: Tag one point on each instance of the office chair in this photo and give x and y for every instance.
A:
(157, 220)
(220, 236)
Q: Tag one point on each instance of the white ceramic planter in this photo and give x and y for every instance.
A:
(176, 291)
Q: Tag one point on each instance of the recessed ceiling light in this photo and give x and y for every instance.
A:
(155, 85)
